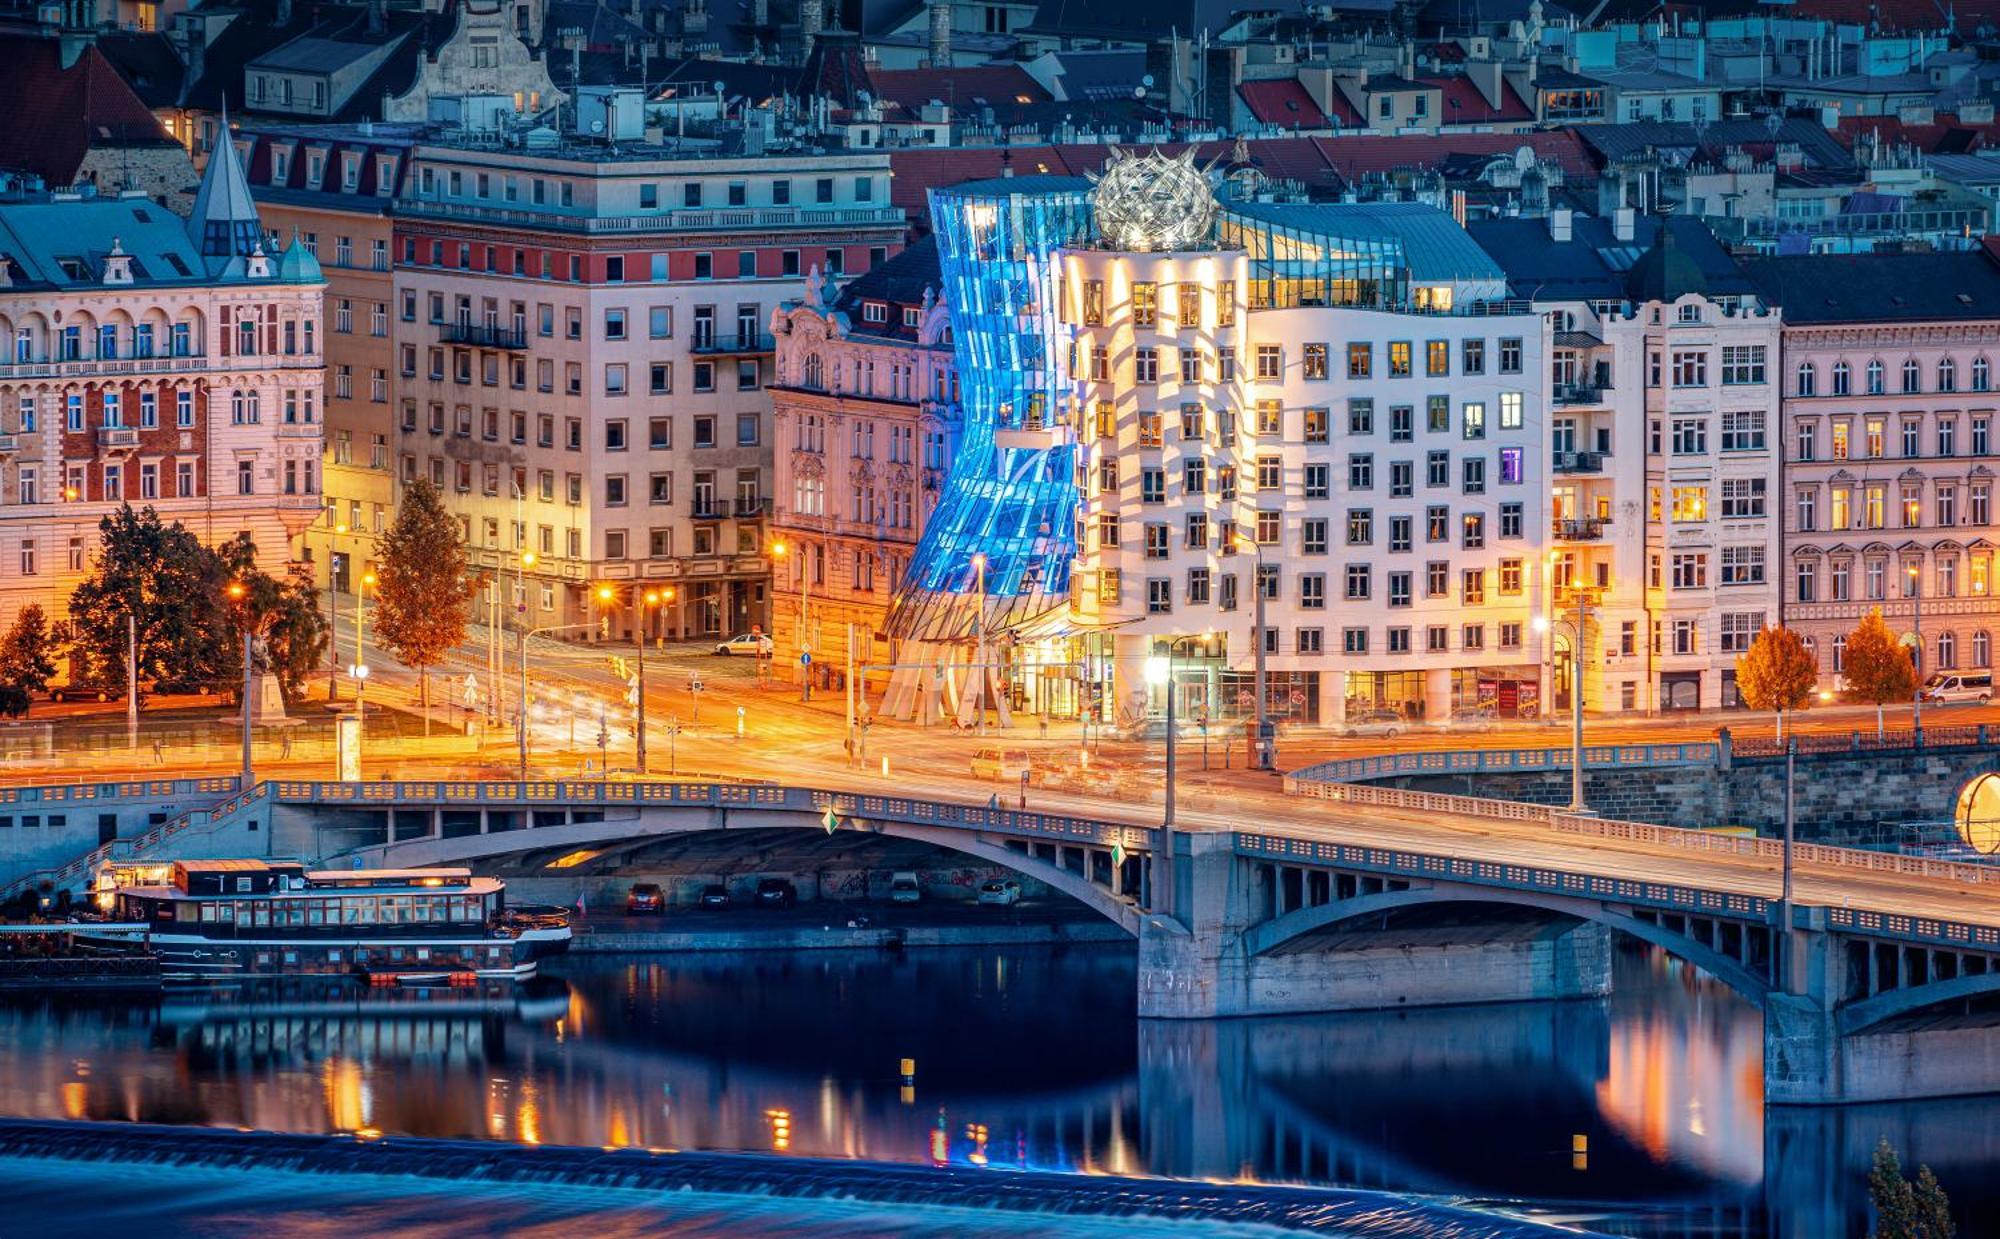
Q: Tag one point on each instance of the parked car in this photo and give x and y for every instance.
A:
(1000, 892)
(903, 888)
(715, 895)
(776, 893)
(1002, 764)
(645, 899)
(1468, 720)
(82, 688)
(1378, 723)
(1947, 687)
(748, 645)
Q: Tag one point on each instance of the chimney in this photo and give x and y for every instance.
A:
(760, 14)
(378, 17)
(940, 15)
(812, 15)
(284, 13)
(197, 51)
(1621, 223)
(1559, 224)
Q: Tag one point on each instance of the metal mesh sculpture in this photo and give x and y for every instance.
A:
(1152, 202)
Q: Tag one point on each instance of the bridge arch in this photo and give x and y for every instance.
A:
(655, 822)
(1280, 931)
(1864, 1013)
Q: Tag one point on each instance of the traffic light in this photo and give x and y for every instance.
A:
(620, 667)
(632, 690)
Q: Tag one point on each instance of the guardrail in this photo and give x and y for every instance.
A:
(1959, 736)
(138, 789)
(1508, 761)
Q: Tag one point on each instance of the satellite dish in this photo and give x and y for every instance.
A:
(1147, 81)
(1524, 158)
(718, 90)
(597, 126)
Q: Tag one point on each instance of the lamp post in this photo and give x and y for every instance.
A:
(979, 637)
(1264, 748)
(1916, 580)
(1577, 628)
(646, 602)
(240, 596)
(778, 551)
(521, 706)
(332, 623)
(360, 668)
(1161, 670)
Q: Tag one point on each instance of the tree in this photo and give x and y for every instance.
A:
(173, 586)
(1777, 673)
(284, 609)
(1904, 1210)
(420, 610)
(1877, 668)
(27, 660)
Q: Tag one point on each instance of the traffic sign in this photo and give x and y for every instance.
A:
(831, 820)
(805, 658)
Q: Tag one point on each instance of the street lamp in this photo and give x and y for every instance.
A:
(1576, 628)
(979, 637)
(778, 551)
(1161, 671)
(1917, 607)
(360, 660)
(239, 595)
(332, 621)
(1264, 755)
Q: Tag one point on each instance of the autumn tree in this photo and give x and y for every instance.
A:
(420, 611)
(27, 660)
(1777, 673)
(172, 586)
(1877, 668)
(1906, 1210)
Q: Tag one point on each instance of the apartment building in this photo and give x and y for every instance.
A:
(581, 352)
(331, 187)
(864, 419)
(1889, 411)
(153, 361)
(1664, 386)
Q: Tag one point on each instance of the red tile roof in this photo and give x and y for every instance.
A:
(1944, 135)
(1463, 104)
(1283, 102)
(1355, 155)
(55, 115)
(1002, 86)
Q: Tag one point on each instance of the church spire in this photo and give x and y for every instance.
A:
(224, 225)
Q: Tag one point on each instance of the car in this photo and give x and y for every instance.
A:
(776, 893)
(1003, 764)
(903, 888)
(82, 688)
(748, 645)
(1389, 723)
(1468, 720)
(1948, 687)
(1000, 892)
(645, 899)
(715, 895)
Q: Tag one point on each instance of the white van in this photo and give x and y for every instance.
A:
(903, 887)
(1001, 764)
(1948, 687)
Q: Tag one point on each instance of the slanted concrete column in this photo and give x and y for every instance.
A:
(1129, 690)
(1332, 698)
(1437, 694)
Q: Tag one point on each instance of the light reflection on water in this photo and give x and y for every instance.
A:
(1023, 1058)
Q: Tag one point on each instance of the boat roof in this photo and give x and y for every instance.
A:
(385, 875)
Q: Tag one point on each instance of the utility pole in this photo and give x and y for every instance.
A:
(131, 680)
(639, 750)
(1576, 804)
(1785, 886)
(850, 692)
(1917, 603)
(979, 640)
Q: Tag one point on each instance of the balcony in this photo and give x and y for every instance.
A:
(709, 509)
(1579, 462)
(749, 507)
(482, 335)
(1586, 529)
(1579, 393)
(742, 343)
(690, 219)
(9, 444)
(117, 439)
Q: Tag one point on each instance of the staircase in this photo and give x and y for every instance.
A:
(195, 823)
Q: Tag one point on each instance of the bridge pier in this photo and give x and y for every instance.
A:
(1203, 965)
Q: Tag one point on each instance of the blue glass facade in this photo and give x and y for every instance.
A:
(1011, 495)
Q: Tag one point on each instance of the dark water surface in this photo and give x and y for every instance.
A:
(1022, 1058)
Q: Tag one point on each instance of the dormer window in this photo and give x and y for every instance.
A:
(874, 312)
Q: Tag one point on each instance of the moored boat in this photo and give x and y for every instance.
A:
(241, 918)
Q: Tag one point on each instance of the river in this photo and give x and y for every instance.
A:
(1637, 1115)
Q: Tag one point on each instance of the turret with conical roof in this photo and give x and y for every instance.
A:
(297, 264)
(224, 225)
(1666, 272)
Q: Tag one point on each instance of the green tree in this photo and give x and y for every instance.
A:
(286, 610)
(163, 577)
(27, 661)
(1904, 1210)
(1877, 668)
(1777, 673)
(420, 610)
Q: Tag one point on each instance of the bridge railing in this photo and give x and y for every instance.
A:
(1676, 837)
(1958, 736)
(131, 789)
(1508, 761)
(134, 847)
(1020, 822)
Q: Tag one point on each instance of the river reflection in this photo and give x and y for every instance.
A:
(1027, 1057)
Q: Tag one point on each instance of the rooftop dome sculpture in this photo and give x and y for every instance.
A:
(1152, 202)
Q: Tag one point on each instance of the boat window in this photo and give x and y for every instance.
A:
(208, 912)
(316, 914)
(227, 912)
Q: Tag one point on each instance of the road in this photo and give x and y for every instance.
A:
(784, 739)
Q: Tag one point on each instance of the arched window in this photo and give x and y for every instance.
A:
(1875, 373)
(1840, 654)
(1982, 374)
(815, 373)
(1913, 376)
(1982, 649)
(1947, 375)
(1842, 379)
(1947, 650)
(1811, 647)
(1808, 380)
